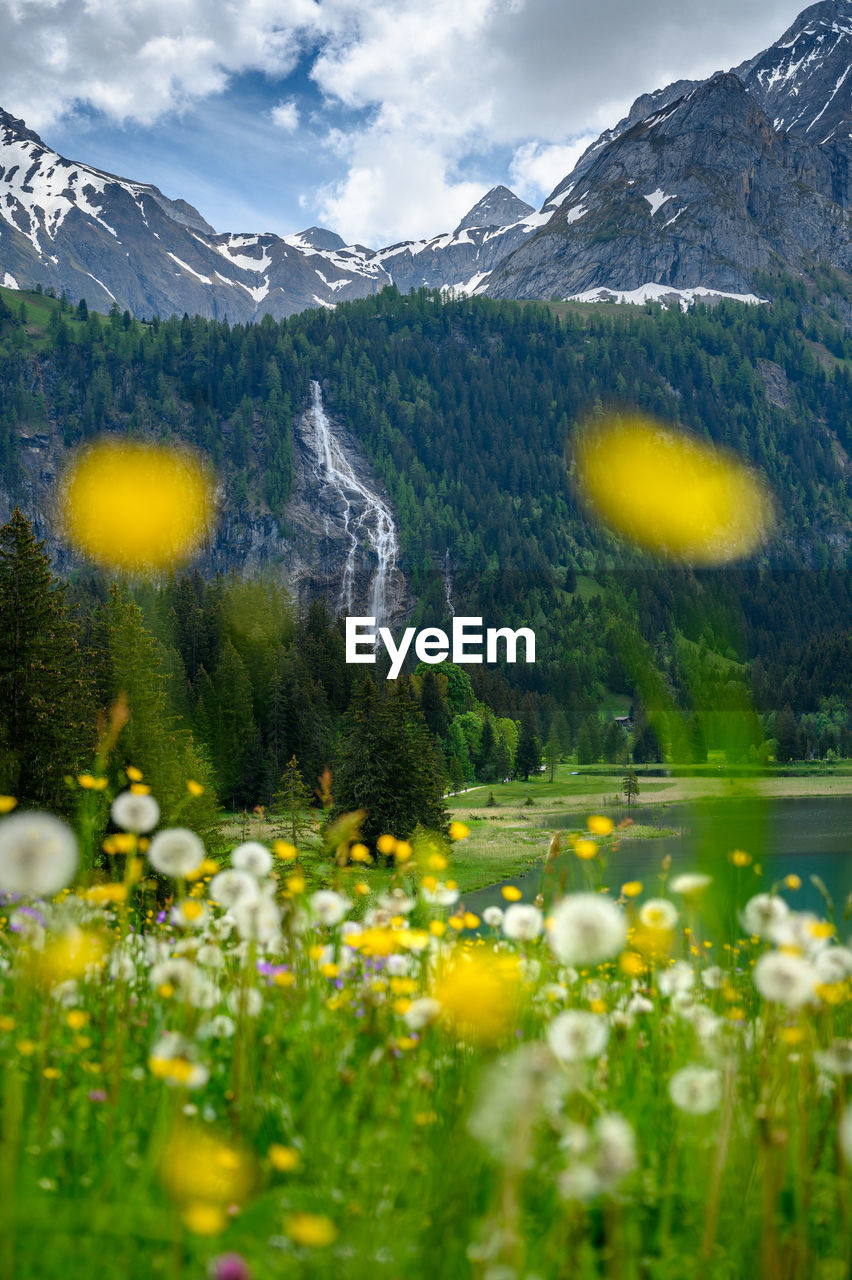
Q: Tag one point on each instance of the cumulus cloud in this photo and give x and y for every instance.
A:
(285, 115)
(430, 90)
(536, 168)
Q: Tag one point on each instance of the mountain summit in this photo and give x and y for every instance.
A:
(499, 207)
(701, 186)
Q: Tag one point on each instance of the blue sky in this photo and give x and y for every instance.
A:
(383, 119)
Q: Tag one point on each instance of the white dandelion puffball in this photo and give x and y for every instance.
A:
(493, 917)
(440, 896)
(522, 922)
(328, 907)
(677, 980)
(691, 883)
(696, 1089)
(762, 913)
(231, 887)
(138, 814)
(421, 1012)
(38, 854)
(658, 913)
(616, 1155)
(176, 852)
(258, 920)
(837, 1059)
(586, 928)
(785, 979)
(252, 857)
(834, 964)
(577, 1034)
(248, 1001)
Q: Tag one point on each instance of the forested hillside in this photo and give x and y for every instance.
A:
(465, 410)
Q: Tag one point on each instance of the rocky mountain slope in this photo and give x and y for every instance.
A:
(699, 187)
(704, 183)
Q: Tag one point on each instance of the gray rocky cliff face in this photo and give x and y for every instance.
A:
(320, 550)
(499, 207)
(704, 192)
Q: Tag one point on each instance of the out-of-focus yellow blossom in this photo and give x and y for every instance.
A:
(740, 858)
(459, 831)
(600, 825)
(134, 506)
(7, 804)
(671, 493)
(402, 851)
(194, 788)
(107, 893)
(359, 853)
(511, 893)
(204, 1219)
(70, 955)
(284, 1159)
(479, 993)
(585, 849)
(792, 882)
(311, 1230)
(134, 774)
(386, 844)
(284, 850)
(198, 1167)
(632, 889)
(90, 783)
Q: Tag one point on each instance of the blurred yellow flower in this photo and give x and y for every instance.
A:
(600, 825)
(286, 851)
(136, 506)
(671, 493)
(585, 849)
(632, 889)
(459, 831)
(133, 774)
(479, 994)
(204, 1219)
(69, 955)
(740, 858)
(284, 1159)
(7, 804)
(511, 893)
(198, 1167)
(313, 1230)
(792, 882)
(386, 844)
(194, 788)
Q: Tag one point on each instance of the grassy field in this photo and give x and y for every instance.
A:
(250, 1085)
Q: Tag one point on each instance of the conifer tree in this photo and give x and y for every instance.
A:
(387, 764)
(292, 801)
(528, 754)
(47, 720)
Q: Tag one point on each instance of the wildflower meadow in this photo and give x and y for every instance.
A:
(230, 1068)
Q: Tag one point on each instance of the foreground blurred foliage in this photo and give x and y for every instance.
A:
(258, 1081)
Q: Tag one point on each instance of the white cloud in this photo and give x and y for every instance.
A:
(434, 85)
(285, 115)
(536, 168)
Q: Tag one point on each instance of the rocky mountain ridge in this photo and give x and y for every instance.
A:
(702, 185)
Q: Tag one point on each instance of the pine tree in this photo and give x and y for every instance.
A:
(631, 786)
(487, 750)
(387, 764)
(47, 720)
(697, 740)
(787, 734)
(293, 801)
(528, 754)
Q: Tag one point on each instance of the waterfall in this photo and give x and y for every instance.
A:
(365, 514)
(448, 583)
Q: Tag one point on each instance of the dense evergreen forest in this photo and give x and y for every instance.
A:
(465, 408)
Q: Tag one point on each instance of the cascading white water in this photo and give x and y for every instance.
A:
(448, 583)
(364, 513)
